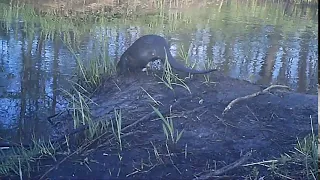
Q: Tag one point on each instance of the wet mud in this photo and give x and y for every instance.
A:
(268, 125)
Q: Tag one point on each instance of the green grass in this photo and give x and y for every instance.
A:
(173, 21)
(171, 133)
(314, 2)
(20, 161)
(117, 129)
(169, 78)
(301, 162)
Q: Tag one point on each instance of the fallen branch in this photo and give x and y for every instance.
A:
(225, 168)
(251, 96)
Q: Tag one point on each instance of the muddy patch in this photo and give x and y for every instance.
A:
(267, 125)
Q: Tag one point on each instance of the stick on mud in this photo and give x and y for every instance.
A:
(225, 168)
(253, 95)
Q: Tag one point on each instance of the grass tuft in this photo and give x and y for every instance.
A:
(172, 134)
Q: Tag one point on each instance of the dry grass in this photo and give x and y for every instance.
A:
(127, 7)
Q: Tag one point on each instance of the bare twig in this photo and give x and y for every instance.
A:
(251, 96)
(225, 168)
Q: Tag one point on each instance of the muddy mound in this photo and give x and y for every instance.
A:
(268, 125)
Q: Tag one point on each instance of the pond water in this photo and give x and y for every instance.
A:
(262, 42)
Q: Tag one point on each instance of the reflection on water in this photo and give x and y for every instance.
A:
(33, 67)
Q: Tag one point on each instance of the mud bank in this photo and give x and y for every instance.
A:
(268, 125)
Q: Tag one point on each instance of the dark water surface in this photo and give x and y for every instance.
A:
(263, 43)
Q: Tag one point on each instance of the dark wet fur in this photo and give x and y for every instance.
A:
(149, 48)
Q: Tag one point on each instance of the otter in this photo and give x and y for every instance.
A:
(149, 48)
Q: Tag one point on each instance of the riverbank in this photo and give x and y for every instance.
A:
(130, 8)
(267, 126)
